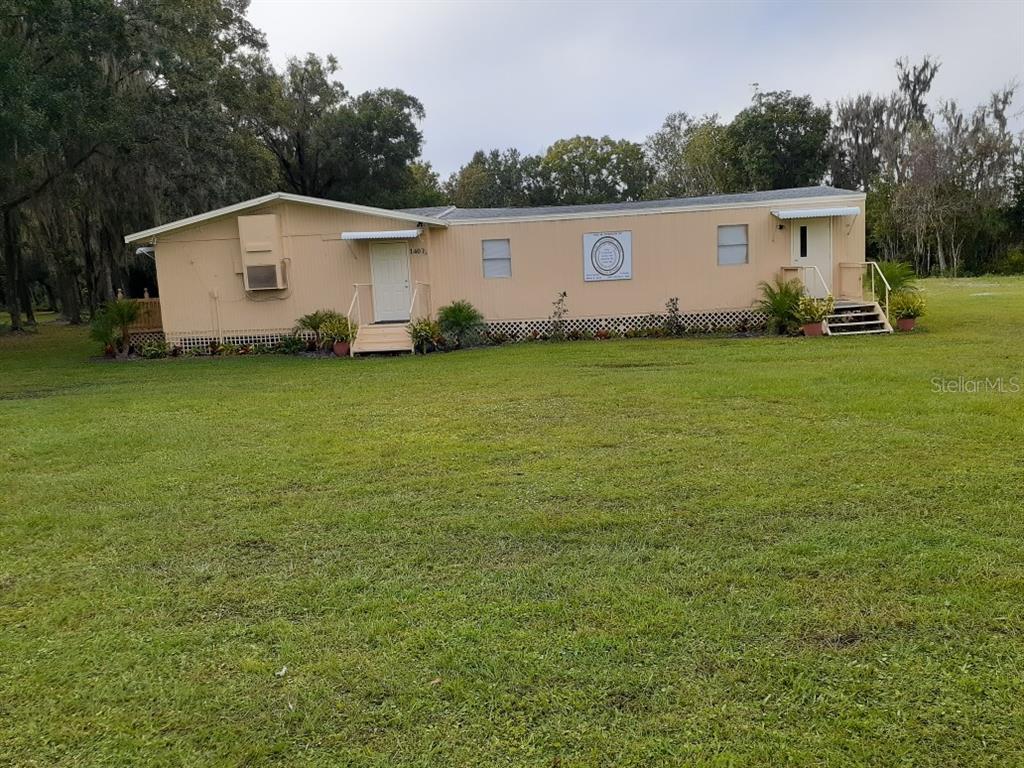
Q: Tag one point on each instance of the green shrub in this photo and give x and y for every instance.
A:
(1011, 263)
(101, 330)
(152, 350)
(460, 322)
(336, 328)
(899, 274)
(780, 301)
(673, 323)
(558, 314)
(426, 334)
(111, 324)
(905, 304)
(811, 310)
(313, 322)
(290, 344)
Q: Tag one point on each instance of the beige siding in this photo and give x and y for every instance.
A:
(674, 254)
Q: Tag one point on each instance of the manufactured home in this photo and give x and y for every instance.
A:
(243, 274)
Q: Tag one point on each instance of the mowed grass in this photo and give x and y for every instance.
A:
(722, 552)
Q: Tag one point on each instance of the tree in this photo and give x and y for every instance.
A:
(780, 141)
(129, 105)
(330, 144)
(689, 157)
(495, 179)
(588, 170)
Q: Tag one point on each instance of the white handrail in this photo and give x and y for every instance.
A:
(888, 288)
(821, 278)
(802, 269)
(416, 290)
(412, 303)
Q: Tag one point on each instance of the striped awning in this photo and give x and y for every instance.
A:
(388, 234)
(814, 213)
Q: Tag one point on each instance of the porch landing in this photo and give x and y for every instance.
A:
(382, 337)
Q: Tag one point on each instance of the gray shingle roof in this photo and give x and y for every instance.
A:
(473, 214)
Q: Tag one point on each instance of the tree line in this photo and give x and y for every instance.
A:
(116, 115)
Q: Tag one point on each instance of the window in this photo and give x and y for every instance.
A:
(497, 258)
(732, 244)
(803, 242)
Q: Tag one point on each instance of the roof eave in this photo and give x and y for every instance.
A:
(148, 234)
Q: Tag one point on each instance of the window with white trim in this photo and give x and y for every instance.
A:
(732, 245)
(497, 258)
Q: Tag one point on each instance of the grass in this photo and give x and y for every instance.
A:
(692, 552)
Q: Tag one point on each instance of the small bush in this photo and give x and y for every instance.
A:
(336, 328)
(426, 334)
(153, 350)
(899, 274)
(779, 301)
(1011, 263)
(110, 325)
(460, 322)
(673, 322)
(904, 305)
(558, 314)
(313, 322)
(811, 310)
(291, 344)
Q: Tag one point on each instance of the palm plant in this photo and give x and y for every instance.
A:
(900, 276)
(780, 301)
(111, 325)
(313, 322)
(461, 322)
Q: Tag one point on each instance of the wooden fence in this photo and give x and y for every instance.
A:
(149, 316)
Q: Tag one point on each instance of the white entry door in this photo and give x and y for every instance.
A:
(812, 247)
(389, 270)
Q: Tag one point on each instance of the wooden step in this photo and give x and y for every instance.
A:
(389, 337)
(861, 333)
(856, 319)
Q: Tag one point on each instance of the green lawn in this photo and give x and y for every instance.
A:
(690, 552)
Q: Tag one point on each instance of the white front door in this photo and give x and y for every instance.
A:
(389, 270)
(812, 247)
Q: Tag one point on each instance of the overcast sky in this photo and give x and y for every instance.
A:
(495, 75)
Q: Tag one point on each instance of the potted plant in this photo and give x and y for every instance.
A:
(906, 306)
(811, 313)
(336, 332)
(311, 324)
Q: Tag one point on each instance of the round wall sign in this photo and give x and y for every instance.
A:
(607, 255)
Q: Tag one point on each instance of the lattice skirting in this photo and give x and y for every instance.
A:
(145, 337)
(514, 330)
(705, 322)
(238, 338)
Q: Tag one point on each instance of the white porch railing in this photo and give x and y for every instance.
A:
(355, 306)
(415, 295)
(873, 270)
(802, 270)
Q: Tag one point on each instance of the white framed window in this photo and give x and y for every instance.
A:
(732, 245)
(497, 258)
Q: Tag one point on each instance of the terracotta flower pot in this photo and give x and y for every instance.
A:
(813, 329)
(906, 323)
(341, 348)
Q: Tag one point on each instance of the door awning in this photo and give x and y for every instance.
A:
(388, 234)
(814, 213)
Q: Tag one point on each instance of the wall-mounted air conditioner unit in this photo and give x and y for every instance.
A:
(264, 277)
(260, 254)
